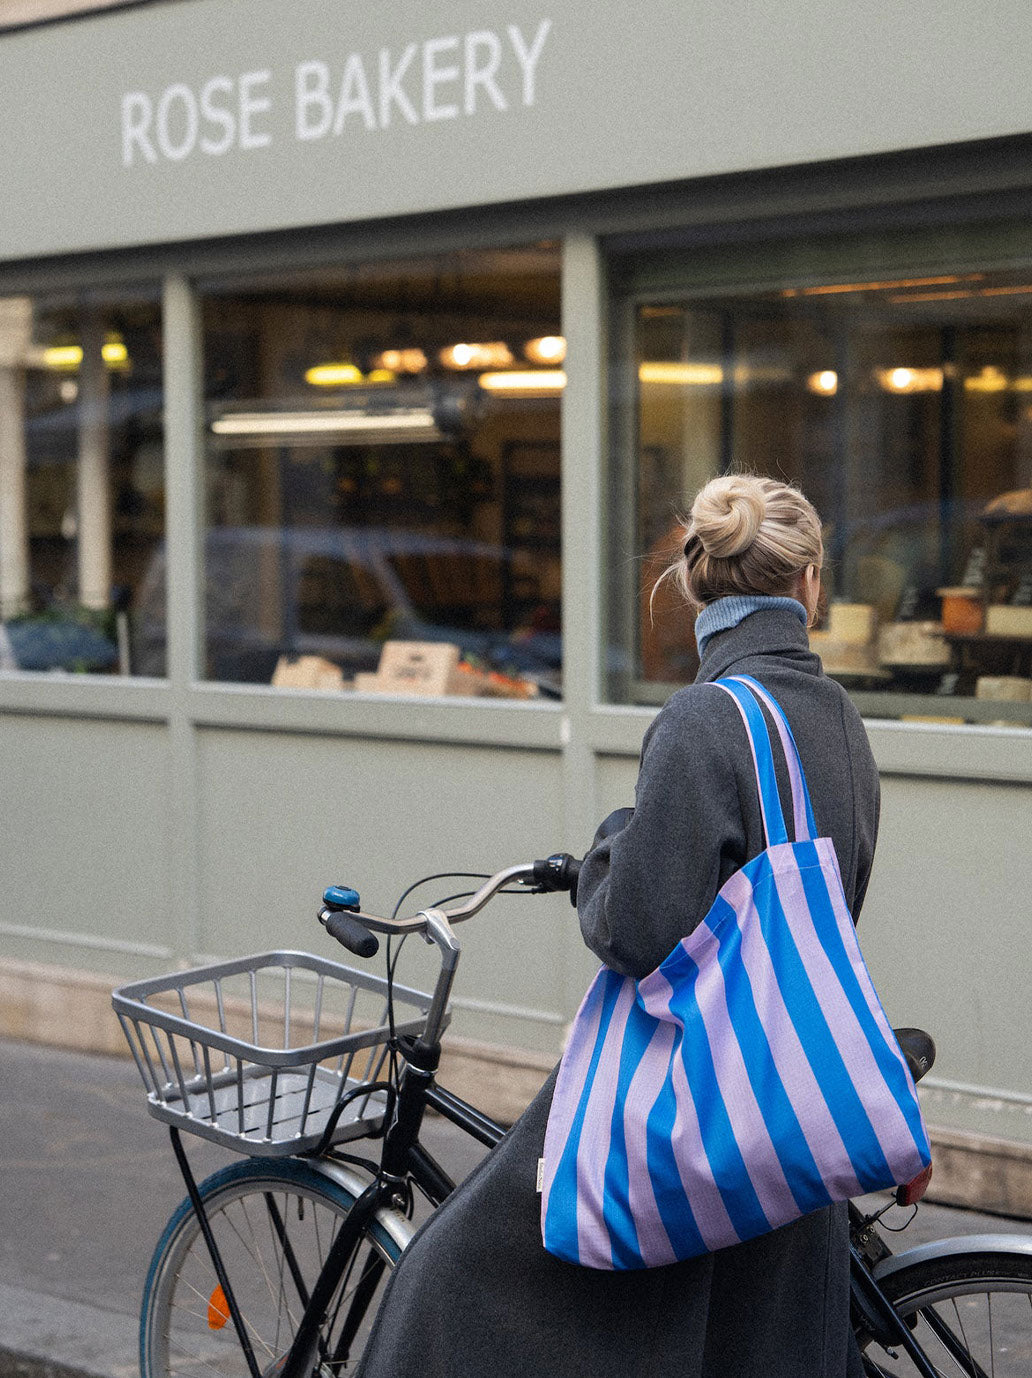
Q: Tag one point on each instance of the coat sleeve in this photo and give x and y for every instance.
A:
(647, 886)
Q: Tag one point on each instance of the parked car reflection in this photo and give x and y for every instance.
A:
(340, 592)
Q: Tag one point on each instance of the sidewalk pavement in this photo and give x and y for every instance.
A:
(87, 1181)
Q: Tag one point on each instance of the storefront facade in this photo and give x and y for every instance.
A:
(416, 330)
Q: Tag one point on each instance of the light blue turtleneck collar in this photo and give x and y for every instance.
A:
(725, 613)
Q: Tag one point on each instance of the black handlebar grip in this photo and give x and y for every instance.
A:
(353, 935)
(558, 872)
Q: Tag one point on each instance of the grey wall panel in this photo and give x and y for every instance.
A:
(282, 816)
(946, 926)
(616, 776)
(84, 867)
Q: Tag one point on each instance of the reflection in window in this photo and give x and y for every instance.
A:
(902, 406)
(81, 480)
(383, 466)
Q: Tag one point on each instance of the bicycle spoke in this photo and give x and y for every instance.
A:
(259, 1254)
(959, 1351)
(960, 1323)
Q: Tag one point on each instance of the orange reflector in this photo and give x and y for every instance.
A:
(911, 1192)
(218, 1309)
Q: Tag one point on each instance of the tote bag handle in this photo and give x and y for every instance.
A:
(745, 691)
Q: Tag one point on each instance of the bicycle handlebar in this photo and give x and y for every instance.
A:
(354, 929)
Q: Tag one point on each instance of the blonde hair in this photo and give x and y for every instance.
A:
(745, 534)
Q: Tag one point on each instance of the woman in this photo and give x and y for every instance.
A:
(476, 1294)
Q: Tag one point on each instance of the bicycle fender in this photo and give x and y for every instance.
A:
(394, 1224)
(951, 1248)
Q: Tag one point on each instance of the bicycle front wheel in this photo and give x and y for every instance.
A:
(970, 1312)
(273, 1224)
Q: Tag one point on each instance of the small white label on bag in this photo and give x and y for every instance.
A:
(541, 1175)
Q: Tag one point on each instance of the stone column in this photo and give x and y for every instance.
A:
(94, 477)
(15, 335)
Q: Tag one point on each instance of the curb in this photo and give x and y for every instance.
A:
(48, 1337)
(14, 1365)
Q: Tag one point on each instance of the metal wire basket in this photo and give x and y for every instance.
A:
(257, 1053)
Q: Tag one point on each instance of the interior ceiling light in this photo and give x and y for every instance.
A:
(62, 356)
(547, 349)
(415, 423)
(826, 289)
(114, 352)
(409, 360)
(990, 379)
(683, 375)
(904, 380)
(538, 382)
(69, 356)
(333, 375)
(825, 382)
(492, 354)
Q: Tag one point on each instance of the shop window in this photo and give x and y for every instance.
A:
(899, 400)
(81, 482)
(383, 467)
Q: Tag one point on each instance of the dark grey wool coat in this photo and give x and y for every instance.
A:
(475, 1295)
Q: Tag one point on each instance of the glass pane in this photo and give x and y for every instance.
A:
(902, 406)
(383, 468)
(82, 488)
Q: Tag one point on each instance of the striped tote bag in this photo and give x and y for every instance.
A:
(751, 1078)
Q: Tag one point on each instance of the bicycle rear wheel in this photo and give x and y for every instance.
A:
(274, 1224)
(971, 1313)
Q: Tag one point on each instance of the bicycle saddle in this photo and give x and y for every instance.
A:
(918, 1048)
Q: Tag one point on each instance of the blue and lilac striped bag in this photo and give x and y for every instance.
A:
(751, 1078)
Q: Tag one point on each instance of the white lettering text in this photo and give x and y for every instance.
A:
(217, 115)
(250, 105)
(354, 95)
(477, 75)
(136, 117)
(434, 76)
(311, 87)
(185, 124)
(391, 90)
(528, 59)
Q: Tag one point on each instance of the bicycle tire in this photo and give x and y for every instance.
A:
(185, 1329)
(971, 1314)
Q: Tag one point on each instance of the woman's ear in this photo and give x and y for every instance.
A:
(811, 592)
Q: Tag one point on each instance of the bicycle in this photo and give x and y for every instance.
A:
(275, 1265)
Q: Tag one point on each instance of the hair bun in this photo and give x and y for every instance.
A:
(726, 515)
